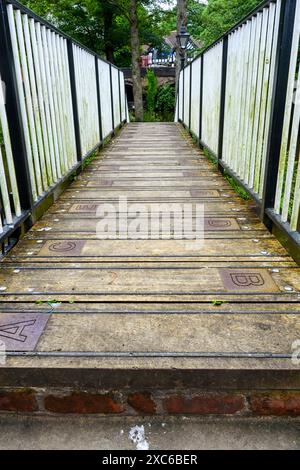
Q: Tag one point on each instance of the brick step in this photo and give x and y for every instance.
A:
(247, 403)
(151, 358)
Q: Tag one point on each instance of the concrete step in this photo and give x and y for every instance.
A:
(147, 358)
(160, 433)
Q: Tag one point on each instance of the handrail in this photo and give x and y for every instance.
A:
(240, 99)
(59, 101)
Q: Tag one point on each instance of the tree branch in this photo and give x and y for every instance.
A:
(121, 8)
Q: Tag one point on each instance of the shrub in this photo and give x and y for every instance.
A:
(165, 103)
(151, 92)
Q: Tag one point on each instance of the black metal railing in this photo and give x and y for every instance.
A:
(241, 99)
(59, 101)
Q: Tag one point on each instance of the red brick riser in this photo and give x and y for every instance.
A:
(273, 403)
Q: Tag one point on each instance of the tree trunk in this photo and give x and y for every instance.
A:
(110, 53)
(108, 22)
(136, 69)
(181, 20)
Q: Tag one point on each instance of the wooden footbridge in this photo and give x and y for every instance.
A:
(152, 312)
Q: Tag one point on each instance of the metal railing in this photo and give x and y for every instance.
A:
(59, 101)
(241, 99)
(170, 61)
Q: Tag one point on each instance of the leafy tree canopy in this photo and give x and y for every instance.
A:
(220, 15)
(207, 22)
(103, 26)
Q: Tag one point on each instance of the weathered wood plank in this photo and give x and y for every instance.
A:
(264, 248)
(148, 284)
(165, 333)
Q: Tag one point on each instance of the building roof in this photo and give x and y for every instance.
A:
(171, 41)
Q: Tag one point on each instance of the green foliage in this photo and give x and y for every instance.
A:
(237, 187)
(165, 103)
(160, 102)
(150, 117)
(220, 15)
(78, 18)
(48, 302)
(122, 56)
(88, 160)
(210, 156)
(208, 22)
(53, 302)
(151, 91)
(103, 25)
(132, 116)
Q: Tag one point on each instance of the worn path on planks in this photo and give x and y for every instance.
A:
(231, 304)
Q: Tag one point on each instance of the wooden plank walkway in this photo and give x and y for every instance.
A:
(235, 297)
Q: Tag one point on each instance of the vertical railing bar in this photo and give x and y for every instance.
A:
(9, 161)
(246, 110)
(264, 96)
(120, 100)
(99, 100)
(64, 95)
(13, 112)
(190, 99)
(34, 97)
(283, 56)
(257, 107)
(47, 97)
(59, 98)
(223, 98)
(112, 99)
(5, 199)
(41, 98)
(20, 55)
(289, 142)
(74, 99)
(177, 102)
(125, 99)
(73, 152)
(51, 79)
(9, 155)
(201, 98)
(183, 85)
